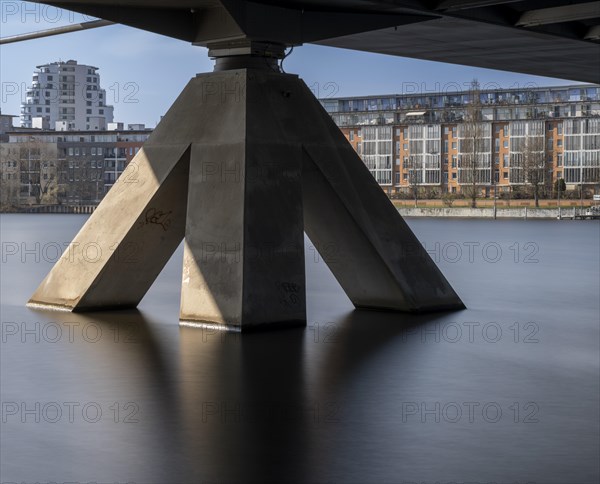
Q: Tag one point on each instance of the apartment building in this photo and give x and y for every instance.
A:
(486, 140)
(66, 96)
(71, 167)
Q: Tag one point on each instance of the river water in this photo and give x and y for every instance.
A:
(506, 391)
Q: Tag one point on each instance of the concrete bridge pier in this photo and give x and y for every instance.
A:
(244, 162)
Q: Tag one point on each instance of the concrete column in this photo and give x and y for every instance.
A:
(244, 249)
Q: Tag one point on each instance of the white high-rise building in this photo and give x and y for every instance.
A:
(66, 96)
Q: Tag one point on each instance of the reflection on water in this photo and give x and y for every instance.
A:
(505, 391)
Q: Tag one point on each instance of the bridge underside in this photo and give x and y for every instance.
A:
(554, 38)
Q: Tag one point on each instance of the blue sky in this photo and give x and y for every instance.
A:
(143, 73)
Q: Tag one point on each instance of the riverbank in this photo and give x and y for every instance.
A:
(491, 213)
(489, 203)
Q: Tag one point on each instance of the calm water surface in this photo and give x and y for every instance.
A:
(506, 391)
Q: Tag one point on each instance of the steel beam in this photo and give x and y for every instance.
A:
(593, 33)
(554, 15)
(455, 5)
(94, 24)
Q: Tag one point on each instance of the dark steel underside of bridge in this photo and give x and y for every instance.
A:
(554, 38)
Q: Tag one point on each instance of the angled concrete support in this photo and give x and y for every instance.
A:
(119, 252)
(242, 164)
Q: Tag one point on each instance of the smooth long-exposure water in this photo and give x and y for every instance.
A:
(506, 391)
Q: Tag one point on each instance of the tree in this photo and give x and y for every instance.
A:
(472, 145)
(414, 175)
(9, 177)
(533, 160)
(560, 186)
(38, 170)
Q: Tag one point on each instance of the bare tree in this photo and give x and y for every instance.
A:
(38, 170)
(472, 145)
(9, 177)
(414, 176)
(534, 165)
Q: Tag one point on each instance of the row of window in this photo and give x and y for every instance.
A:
(108, 152)
(440, 100)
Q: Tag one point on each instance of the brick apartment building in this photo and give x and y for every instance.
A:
(426, 141)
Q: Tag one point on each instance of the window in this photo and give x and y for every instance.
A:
(559, 143)
(505, 161)
(505, 144)
(454, 176)
(446, 130)
(405, 146)
(454, 145)
(351, 135)
(453, 161)
(397, 178)
(497, 128)
(405, 176)
(454, 131)
(70, 151)
(505, 175)
(93, 152)
(497, 145)
(559, 128)
(76, 151)
(559, 159)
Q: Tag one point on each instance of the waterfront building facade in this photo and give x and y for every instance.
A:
(504, 140)
(70, 168)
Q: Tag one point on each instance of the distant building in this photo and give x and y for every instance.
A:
(65, 167)
(425, 141)
(67, 93)
(6, 125)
